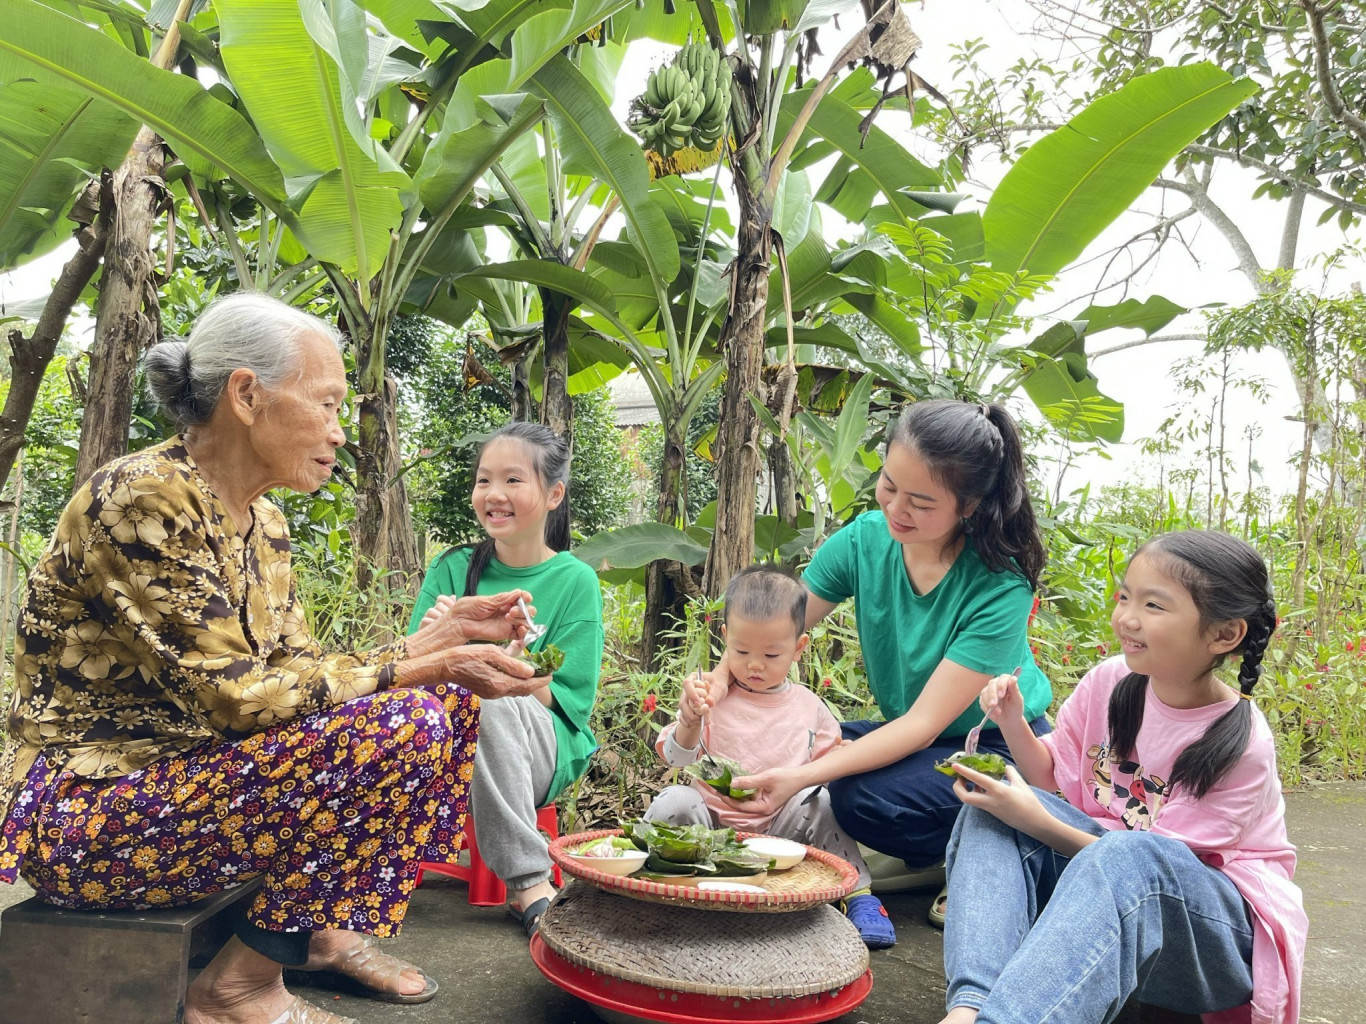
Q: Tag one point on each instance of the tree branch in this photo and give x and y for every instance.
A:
(1242, 249)
(1275, 172)
(29, 357)
(1347, 118)
(1196, 336)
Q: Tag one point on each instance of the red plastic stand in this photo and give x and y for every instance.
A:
(486, 889)
(655, 1004)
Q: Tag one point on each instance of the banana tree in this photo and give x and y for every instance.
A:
(311, 120)
(772, 42)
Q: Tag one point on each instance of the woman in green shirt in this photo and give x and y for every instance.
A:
(943, 578)
(530, 748)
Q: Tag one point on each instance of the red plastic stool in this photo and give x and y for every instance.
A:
(486, 888)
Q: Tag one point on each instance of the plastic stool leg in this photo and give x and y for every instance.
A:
(548, 821)
(486, 888)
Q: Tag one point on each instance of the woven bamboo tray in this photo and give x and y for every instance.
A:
(820, 878)
(681, 950)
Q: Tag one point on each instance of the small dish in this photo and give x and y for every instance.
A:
(623, 864)
(722, 885)
(783, 852)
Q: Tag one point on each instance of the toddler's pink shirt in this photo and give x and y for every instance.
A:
(776, 729)
(1237, 827)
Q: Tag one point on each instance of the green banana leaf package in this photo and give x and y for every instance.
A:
(547, 660)
(717, 772)
(681, 851)
(993, 765)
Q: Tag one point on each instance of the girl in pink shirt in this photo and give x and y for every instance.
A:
(1162, 868)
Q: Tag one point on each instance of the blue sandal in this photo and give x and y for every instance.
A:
(530, 917)
(869, 916)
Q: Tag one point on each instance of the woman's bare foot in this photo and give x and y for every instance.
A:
(329, 949)
(239, 986)
(960, 1015)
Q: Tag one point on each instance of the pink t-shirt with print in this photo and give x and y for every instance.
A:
(1237, 827)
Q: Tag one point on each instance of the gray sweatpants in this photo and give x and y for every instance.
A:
(806, 818)
(513, 765)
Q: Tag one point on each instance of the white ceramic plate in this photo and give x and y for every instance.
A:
(717, 885)
(630, 860)
(784, 852)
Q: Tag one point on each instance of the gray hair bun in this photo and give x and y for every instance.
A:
(168, 378)
(243, 331)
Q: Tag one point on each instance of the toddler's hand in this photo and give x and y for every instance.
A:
(695, 703)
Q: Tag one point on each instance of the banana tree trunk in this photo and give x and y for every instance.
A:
(128, 317)
(556, 410)
(742, 341)
(665, 582)
(383, 528)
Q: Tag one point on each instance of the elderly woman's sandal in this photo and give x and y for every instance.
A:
(364, 970)
(300, 1012)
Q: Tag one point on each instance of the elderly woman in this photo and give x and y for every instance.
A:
(174, 728)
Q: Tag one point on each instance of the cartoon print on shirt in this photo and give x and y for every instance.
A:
(1143, 795)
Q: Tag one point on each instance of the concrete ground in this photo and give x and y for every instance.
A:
(480, 957)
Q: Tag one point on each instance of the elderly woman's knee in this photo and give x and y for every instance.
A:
(423, 711)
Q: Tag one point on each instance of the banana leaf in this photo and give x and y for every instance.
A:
(993, 765)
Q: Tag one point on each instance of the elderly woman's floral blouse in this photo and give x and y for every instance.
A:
(152, 627)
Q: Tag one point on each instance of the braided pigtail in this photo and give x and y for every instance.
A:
(1254, 648)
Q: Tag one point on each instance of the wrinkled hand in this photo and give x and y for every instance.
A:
(1001, 698)
(490, 672)
(776, 786)
(1011, 799)
(453, 621)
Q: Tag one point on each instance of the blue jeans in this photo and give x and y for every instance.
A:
(1033, 936)
(907, 809)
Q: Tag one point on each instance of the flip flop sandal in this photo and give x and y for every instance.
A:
(363, 971)
(530, 917)
(300, 1012)
(938, 907)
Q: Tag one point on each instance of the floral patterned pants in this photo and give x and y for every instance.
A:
(335, 810)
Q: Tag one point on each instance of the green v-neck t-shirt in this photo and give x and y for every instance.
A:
(568, 600)
(974, 617)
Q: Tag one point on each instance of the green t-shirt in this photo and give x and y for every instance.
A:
(568, 600)
(974, 617)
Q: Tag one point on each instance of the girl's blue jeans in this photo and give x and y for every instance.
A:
(1033, 936)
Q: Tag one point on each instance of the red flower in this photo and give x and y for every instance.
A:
(706, 617)
(1350, 646)
(650, 703)
(827, 681)
(1069, 647)
(1034, 650)
(1066, 660)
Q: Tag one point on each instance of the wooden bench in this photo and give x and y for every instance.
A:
(121, 967)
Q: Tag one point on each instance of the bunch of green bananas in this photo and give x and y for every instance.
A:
(686, 102)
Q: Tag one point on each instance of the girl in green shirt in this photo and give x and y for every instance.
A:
(530, 748)
(943, 578)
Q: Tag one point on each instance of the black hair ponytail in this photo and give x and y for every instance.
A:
(550, 454)
(1227, 580)
(974, 450)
